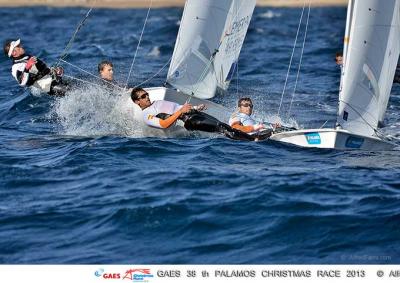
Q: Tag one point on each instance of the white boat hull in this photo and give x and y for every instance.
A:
(333, 139)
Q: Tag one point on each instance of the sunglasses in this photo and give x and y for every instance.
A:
(247, 105)
(143, 96)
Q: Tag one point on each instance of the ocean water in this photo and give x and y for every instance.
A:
(81, 182)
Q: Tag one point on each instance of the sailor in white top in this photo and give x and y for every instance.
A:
(242, 119)
(160, 106)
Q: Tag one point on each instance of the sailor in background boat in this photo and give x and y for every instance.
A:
(242, 120)
(163, 114)
(106, 73)
(30, 71)
(339, 59)
(339, 62)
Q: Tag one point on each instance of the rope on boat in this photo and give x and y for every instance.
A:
(155, 75)
(92, 75)
(300, 61)
(138, 45)
(72, 39)
(291, 58)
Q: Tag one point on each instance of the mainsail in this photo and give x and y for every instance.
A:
(207, 48)
(372, 48)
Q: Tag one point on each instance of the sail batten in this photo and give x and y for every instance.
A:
(209, 41)
(370, 60)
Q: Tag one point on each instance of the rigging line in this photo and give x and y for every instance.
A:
(324, 124)
(64, 54)
(81, 80)
(107, 82)
(301, 59)
(213, 55)
(237, 77)
(291, 57)
(156, 74)
(90, 74)
(137, 47)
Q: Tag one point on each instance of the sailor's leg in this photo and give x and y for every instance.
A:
(200, 121)
(58, 88)
(234, 134)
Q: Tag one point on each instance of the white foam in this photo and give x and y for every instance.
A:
(270, 14)
(155, 52)
(94, 111)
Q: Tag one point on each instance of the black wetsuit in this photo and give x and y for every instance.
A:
(38, 71)
(200, 121)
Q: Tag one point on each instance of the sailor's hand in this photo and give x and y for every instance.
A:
(186, 108)
(258, 127)
(200, 107)
(32, 61)
(59, 71)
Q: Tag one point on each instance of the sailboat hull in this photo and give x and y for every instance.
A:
(332, 139)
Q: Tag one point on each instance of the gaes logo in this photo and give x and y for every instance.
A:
(138, 275)
(99, 272)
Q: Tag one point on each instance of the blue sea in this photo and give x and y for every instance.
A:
(82, 183)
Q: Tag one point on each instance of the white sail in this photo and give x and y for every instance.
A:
(369, 66)
(207, 48)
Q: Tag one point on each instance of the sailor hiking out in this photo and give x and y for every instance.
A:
(29, 71)
(163, 114)
(242, 121)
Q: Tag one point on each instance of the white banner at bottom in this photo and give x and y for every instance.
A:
(198, 273)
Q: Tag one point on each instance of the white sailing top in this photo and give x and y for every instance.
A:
(159, 106)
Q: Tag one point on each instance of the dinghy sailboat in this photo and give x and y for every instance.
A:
(370, 55)
(206, 53)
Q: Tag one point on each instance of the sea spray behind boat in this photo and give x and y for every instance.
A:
(94, 111)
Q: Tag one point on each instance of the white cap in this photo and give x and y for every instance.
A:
(13, 44)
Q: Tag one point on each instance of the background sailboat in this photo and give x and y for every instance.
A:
(206, 52)
(371, 52)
